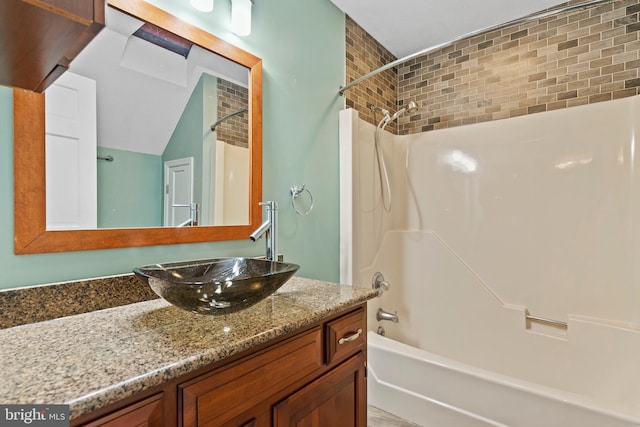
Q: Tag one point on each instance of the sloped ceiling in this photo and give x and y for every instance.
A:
(141, 89)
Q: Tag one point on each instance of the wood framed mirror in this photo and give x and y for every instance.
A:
(31, 234)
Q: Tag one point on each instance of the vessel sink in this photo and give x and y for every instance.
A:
(216, 286)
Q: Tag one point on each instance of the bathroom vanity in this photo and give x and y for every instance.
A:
(297, 356)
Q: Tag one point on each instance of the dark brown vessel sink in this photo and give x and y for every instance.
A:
(216, 286)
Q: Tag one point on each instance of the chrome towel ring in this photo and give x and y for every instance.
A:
(296, 191)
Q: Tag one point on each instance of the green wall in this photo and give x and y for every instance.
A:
(129, 189)
(186, 140)
(302, 47)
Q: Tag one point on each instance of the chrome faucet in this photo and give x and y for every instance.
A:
(385, 315)
(269, 228)
(193, 214)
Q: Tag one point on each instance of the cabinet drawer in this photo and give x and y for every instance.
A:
(148, 412)
(216, 398)
(345, 336)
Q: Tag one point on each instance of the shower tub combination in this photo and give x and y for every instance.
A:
(509, 254)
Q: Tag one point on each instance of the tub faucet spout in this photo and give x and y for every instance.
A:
(269, 229)
(385, 315)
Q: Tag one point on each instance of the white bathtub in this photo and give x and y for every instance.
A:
(432, 390)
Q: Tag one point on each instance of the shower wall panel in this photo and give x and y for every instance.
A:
(541, 208)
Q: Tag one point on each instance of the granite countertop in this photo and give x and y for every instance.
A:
(93, 359)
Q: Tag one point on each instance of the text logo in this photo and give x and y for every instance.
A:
(34, 415)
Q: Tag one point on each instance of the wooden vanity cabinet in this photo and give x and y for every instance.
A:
(312, 377)
(39, 39)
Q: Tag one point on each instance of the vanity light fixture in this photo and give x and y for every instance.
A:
(241, 17)
(202, 5)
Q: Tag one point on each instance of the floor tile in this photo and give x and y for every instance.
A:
(379, 418)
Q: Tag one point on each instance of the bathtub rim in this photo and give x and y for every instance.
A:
(612, 409)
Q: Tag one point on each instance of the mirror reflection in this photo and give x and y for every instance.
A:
(147, 130)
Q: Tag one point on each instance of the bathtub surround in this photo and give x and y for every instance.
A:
(498, 220)
(570, 59)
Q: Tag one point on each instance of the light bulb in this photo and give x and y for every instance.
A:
(241, 17)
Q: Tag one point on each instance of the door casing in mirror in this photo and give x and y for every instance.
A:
(30, 233)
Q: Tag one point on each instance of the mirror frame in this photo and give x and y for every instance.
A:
(30, 233)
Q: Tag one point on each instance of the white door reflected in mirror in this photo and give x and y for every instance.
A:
(178, 194)
(71, 182)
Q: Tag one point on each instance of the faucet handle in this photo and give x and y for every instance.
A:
(378, 282)
(270, 204)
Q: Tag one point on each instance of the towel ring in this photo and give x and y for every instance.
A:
(295, 192)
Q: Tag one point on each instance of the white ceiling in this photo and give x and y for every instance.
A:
(141, 89)
(408, 26)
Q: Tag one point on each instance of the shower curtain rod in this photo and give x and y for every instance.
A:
(228, 116)
(528, 18)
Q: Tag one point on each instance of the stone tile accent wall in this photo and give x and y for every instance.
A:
(365, 54)
(574, 58)
(232, 98)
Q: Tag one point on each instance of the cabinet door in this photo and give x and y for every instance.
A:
(337, 399)
(235, 395)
